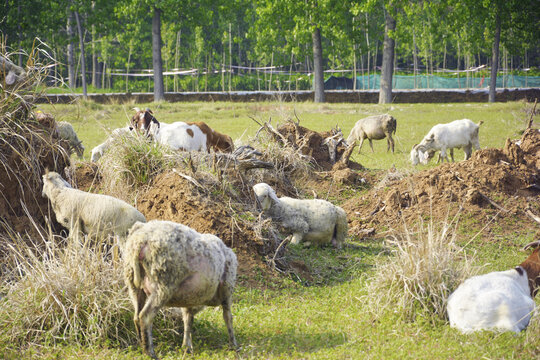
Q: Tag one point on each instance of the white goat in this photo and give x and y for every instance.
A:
(501, 300)
(374, 127)
(93, 214)
(316, 221)
(65, 131)
(99, 150)
(179, 136)
(457, 134)
(169, 264)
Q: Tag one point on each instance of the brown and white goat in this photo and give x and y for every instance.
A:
(499, 300)
(182, 135)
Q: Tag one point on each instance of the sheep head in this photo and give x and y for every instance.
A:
(51, 180)
(419, 155)
(532, 266)
(265, 195)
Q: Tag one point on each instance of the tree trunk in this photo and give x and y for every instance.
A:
(385, 94)
(81, 47)
(495, 58)
(318, 77)
(72, 80)
(159, 92)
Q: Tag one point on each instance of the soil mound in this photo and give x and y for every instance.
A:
(506, 181)
(172, 197)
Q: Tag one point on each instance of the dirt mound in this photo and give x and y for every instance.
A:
(172, 197)
(24, 158)
(506, 181)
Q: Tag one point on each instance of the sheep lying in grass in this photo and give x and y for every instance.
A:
(169, 264)
(99, 150)
(500, 300)
(316, 221)
(65, 131)
(93, 214)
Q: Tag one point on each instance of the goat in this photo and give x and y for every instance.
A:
(500, 300)
(456, 134)
(99, 150)
(374, 127)
(170, 264)
(180, 135)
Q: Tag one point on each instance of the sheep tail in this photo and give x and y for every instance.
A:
(341, 229)
(480, 122)
(137, 266)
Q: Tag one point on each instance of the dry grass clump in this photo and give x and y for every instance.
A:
(56, 294)
(426, 266)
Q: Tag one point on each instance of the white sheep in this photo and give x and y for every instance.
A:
(374, 127)
(65, 131)
(316, 221)
(93, 214)
(456, 134)
(169, 264)
(501, 300)
(99, 150)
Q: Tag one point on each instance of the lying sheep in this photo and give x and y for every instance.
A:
(316, 221)
(169, 264)
(65, 131)
(89, 213)
(99, 150)
(374, 127)
(500, 300)
(457, 134)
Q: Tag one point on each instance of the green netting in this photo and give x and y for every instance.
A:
(437, 82)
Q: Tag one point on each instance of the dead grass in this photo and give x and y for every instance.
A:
(426, 266)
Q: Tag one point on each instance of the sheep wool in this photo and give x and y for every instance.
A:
(170, 264)
(314, 220)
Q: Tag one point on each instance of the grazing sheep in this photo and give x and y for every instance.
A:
(457, 134)
(89, 213)
(169, 264)
(65, 131)
(374, 127)
(500, 300)
(316, 221)
(99, 150)
(180, 135)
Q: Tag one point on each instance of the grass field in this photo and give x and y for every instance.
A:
(331, 317)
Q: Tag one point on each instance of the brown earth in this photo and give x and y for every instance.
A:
(494, 182)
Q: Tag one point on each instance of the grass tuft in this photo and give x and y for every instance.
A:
(426, 266)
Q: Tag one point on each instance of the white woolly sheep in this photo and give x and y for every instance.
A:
(316, 221)
(65, 131)
(457, 134)
(170, 264)
(99, 150)
(500, 300)
(93, 214)
(374, 127)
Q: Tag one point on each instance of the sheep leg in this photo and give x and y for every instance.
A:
(227, 316)
(138, 298)
(371, 145)
(187, 317)
(451, 154)
(390, 142)
(360, 145)
(468, 150)
(146, 317)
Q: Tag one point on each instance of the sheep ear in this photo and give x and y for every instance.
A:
(534, 244)
(136, 109)
(415, 146)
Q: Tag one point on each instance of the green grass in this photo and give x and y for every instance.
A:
(325, 316)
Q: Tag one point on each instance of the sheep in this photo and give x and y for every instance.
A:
(65, 131)
(374, 127)
(317, 221)
(99, 150)
(180, 135)
(500, 300)
(170, 264)
(93, 214)
(456, 134)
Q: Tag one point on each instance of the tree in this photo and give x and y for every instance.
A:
(159, 92)
(385, 93)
